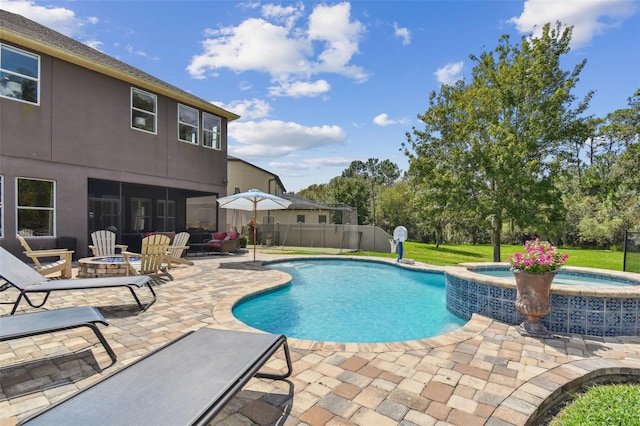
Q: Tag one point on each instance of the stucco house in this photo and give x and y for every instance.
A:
(88, 142)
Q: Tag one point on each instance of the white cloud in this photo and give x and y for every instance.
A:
(383, 120)
(300, 88)
(333, 26)
(311, 163)
(248, 109)
(278, 45)
(402, 33)
(95, 44)
(287, 15)
(450, 73)
(258, 140)
(59, 19)
(589, 18)
(141, 53)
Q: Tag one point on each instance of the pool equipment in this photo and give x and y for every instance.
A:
(400, 235)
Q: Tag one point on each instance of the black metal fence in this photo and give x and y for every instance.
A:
(631, 252)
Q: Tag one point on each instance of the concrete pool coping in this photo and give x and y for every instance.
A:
(492, 376)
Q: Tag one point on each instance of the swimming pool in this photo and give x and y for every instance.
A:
(346, 300)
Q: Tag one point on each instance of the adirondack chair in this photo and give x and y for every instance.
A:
(150, 260)
(177, 249)
(104, 243)
(62, 265)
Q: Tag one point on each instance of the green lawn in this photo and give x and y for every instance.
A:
(453, 254)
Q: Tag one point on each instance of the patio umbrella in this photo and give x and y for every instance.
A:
(253, 200)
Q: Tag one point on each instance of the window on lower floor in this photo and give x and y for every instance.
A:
(19, 75)
(322, 218)
(188, 124)
(144, 110)
(300, 218)
(36, 207)
(166, 215)
(141, 214)
(211, 131)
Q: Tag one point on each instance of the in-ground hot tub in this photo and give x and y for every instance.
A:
(102, 266)
(609, 307)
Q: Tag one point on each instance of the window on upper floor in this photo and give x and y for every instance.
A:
(211, 131)
(144, 110)
(36, 207)
(19, 75)
(188, 124)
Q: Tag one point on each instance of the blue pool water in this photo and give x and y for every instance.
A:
(565, 277)
(351, 301)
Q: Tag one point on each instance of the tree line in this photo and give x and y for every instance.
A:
(507, 156)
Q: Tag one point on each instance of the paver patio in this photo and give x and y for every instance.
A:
(485, 373)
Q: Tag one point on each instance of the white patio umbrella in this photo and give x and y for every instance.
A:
(253, 200)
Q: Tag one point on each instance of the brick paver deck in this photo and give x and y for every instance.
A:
(485, 373)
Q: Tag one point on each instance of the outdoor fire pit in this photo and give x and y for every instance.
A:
(103, 266)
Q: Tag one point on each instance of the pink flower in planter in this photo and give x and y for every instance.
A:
(538, 257)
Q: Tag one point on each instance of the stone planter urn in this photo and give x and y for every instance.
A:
(534, 300)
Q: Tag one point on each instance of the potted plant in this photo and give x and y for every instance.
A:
(534, 270)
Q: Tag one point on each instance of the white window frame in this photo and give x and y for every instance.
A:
(182, 121)
(140, 117)
(213, 132)
(8, 78)
(39, 208)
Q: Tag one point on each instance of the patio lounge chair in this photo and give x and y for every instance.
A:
(62, 265)
(150, 260)
(177, 249)
(35, 323)
(104, 243)
(28, 281)
(186, 382)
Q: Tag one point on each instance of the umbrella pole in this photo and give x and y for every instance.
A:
(255, 227)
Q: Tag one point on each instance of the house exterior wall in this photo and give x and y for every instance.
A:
(311, 217)
(82, 129)
(245, 176)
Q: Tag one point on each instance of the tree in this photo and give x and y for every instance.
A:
(317, 193)
(377, 174)
(489, 147)
(394, 209)
(352, 191)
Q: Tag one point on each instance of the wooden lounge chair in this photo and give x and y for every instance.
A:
(28, 281)
(177, 248)
(186, 382)
(150, 260)
(35, 323)
(62, 265)
(104, 243)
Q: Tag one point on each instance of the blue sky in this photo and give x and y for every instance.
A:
(321, 84)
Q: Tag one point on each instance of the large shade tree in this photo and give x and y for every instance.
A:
(489, 146)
